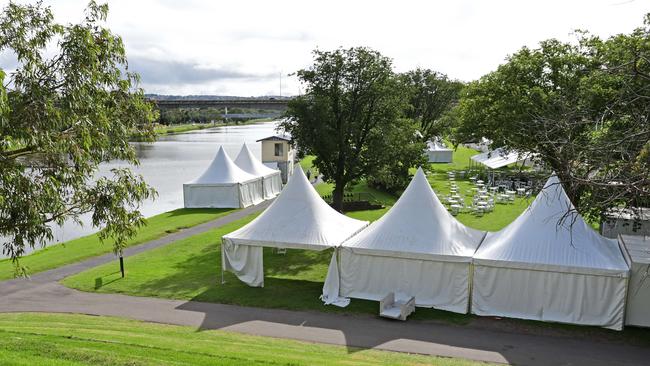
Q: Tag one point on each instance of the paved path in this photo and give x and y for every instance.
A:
(43, 293)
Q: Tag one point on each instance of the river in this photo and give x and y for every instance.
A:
(173, 160)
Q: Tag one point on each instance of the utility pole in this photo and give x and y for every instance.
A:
(280, 83)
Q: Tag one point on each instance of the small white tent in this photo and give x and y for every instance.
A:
(271, 178)
(499, 158)
(638, 295)
(297, 219)
(222, 185)
(416, 249)
(437, 152)
(542, 268)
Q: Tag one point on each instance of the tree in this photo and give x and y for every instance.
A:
(582, 107)
(351, 108)
(430, 96)
(63, 112)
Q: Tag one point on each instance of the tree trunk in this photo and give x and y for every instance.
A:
(337, 195)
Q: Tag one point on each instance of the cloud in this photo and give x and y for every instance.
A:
(298, 36)
(181, 72)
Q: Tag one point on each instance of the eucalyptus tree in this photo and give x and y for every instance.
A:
(69, 104)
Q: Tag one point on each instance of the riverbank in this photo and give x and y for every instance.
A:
(173, 129)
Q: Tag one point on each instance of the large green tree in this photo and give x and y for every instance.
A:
(348, 117)
(69, 105)
(430, 96)
(583, 107)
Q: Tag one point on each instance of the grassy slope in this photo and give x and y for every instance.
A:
(190, 269)
(60, 339)
(90, 246)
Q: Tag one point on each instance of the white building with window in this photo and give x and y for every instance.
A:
(278, 153)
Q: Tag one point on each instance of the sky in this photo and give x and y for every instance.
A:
(250, 48)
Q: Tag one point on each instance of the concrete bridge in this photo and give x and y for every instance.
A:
(253, 103)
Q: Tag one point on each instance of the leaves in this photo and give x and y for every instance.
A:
(353, 102)
(64, 112)
(582, 107)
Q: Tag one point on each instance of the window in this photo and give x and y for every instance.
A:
(278, 149)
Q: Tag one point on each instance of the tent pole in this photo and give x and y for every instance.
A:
(338, 267)
(222, 262)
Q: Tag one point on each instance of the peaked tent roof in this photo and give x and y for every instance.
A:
(298, 218)
(223, 170)
(536, 241)
(418, 226)
(248, 163)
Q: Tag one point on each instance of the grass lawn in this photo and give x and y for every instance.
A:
(90, 246)
(66, 339)
(190, 270)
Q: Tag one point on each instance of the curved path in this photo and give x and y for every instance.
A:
(479, 341)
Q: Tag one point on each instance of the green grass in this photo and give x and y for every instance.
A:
(437, 176)
(190, 270)
(73, 340)
(89, 246)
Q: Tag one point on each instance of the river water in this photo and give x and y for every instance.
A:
(173, 160)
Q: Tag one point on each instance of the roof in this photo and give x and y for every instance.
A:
(248, 163)
(538, 240)
(223, 170)
(499, 158)
(638, 213)
(418, 226)
(298, 218)
(638, 247)
(437, 146)
(276, 138)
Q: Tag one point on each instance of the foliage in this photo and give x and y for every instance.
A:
(431, 96)
(389, 164)
(175, 116)
(582, 107)
(353, 100)
(69, 105)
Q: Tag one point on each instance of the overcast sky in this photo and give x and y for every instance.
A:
(240, 47)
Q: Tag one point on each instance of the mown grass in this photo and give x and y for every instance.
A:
(67, 340)
(190, 270)
(89, 246)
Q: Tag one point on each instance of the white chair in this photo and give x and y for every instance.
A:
(389, 308)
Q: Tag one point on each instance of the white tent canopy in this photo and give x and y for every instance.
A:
(437, 152)
(544, 268)
(499, 158)
(271, 178)
(297, 219)
(638, 296)
(416, 249)
(223, 184)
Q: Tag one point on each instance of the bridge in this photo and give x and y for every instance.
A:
(252, 103)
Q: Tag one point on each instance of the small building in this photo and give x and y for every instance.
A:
(278, 153)
(626, 221)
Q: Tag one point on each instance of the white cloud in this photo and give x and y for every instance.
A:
(241, 47)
